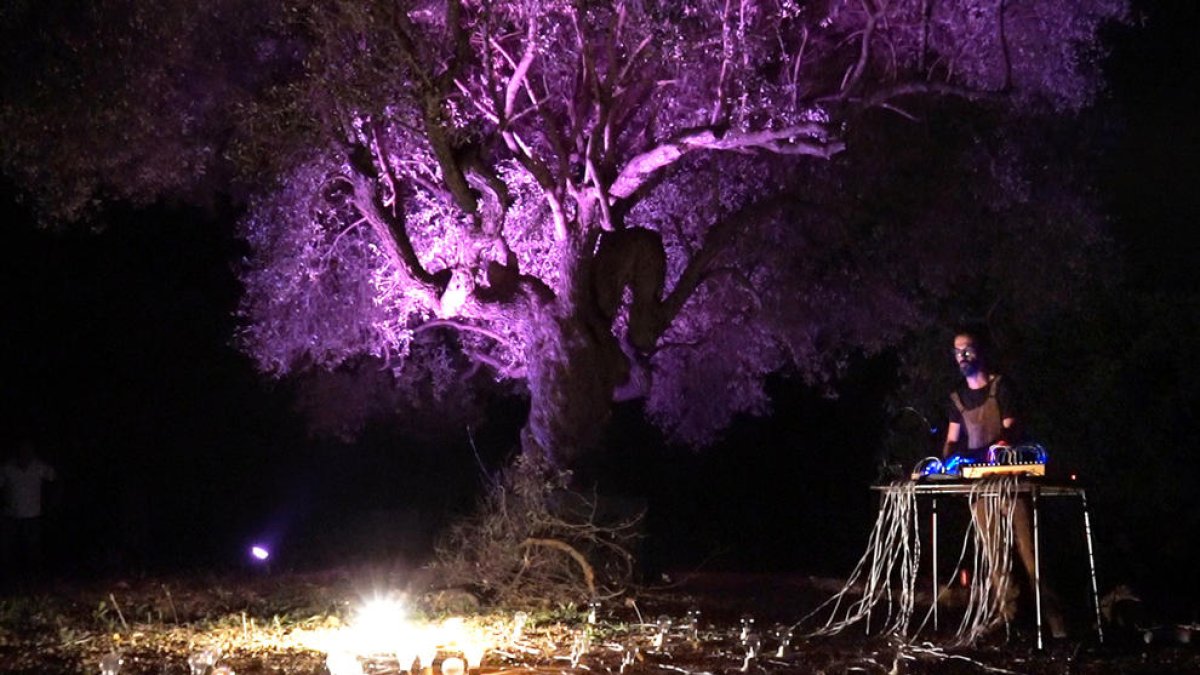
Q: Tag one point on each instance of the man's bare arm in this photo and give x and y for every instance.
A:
(952, 431)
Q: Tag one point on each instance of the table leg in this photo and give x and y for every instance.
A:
(1087, 528)
(1037, 566)
(934, 555)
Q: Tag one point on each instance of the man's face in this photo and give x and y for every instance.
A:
(966, 355)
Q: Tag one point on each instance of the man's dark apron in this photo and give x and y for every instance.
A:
(984, 424)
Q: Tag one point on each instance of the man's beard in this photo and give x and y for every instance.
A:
(968, 368)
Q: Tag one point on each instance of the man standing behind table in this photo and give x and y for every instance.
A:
(982, 413)
(981, 408)
(22, 479)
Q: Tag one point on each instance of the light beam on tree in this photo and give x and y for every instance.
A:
(598, 201)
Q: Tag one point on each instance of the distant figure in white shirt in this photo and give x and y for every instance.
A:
(22, 482)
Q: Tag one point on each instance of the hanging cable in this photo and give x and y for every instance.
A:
(887, 572)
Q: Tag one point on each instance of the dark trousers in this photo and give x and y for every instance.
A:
(21, 551)
(1004, 585)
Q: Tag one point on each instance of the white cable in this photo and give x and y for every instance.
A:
(892, 551)
(889, 567)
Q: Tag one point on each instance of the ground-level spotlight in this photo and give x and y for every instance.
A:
(381, 627)
(260, 557)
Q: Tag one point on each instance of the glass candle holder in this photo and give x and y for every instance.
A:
(692, 624)
(454, 666)
(519, 621)
(343, 663)
(110, 663)
(747, 622)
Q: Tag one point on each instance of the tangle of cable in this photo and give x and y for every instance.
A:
(888, 570)
(992, 505)
(893, 550)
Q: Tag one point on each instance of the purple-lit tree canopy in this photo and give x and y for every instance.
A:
(591, 201)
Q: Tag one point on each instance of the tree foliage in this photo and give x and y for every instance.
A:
(588, 200)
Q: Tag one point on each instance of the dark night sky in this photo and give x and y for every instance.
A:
(117, 358)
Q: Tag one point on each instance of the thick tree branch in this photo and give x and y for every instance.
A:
(888, 94)
(520, 71)
(464, 327)
(461, 41)
(589, 575)
(718, 239)
(1003, 29)
(390, 231)
(512, 371)
(443, 150)
(803, 139)
(520, 149)
(434, 91)
(404, 32)
(854, 75)
(718, 111)
(499, 367)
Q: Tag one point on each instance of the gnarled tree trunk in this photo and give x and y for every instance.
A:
(577, 364)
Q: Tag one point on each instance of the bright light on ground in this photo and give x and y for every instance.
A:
(381, 625)
(382, 630)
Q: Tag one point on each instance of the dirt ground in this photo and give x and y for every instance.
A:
(273, 623)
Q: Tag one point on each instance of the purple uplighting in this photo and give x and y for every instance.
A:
(499, 305)
(494, 245)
